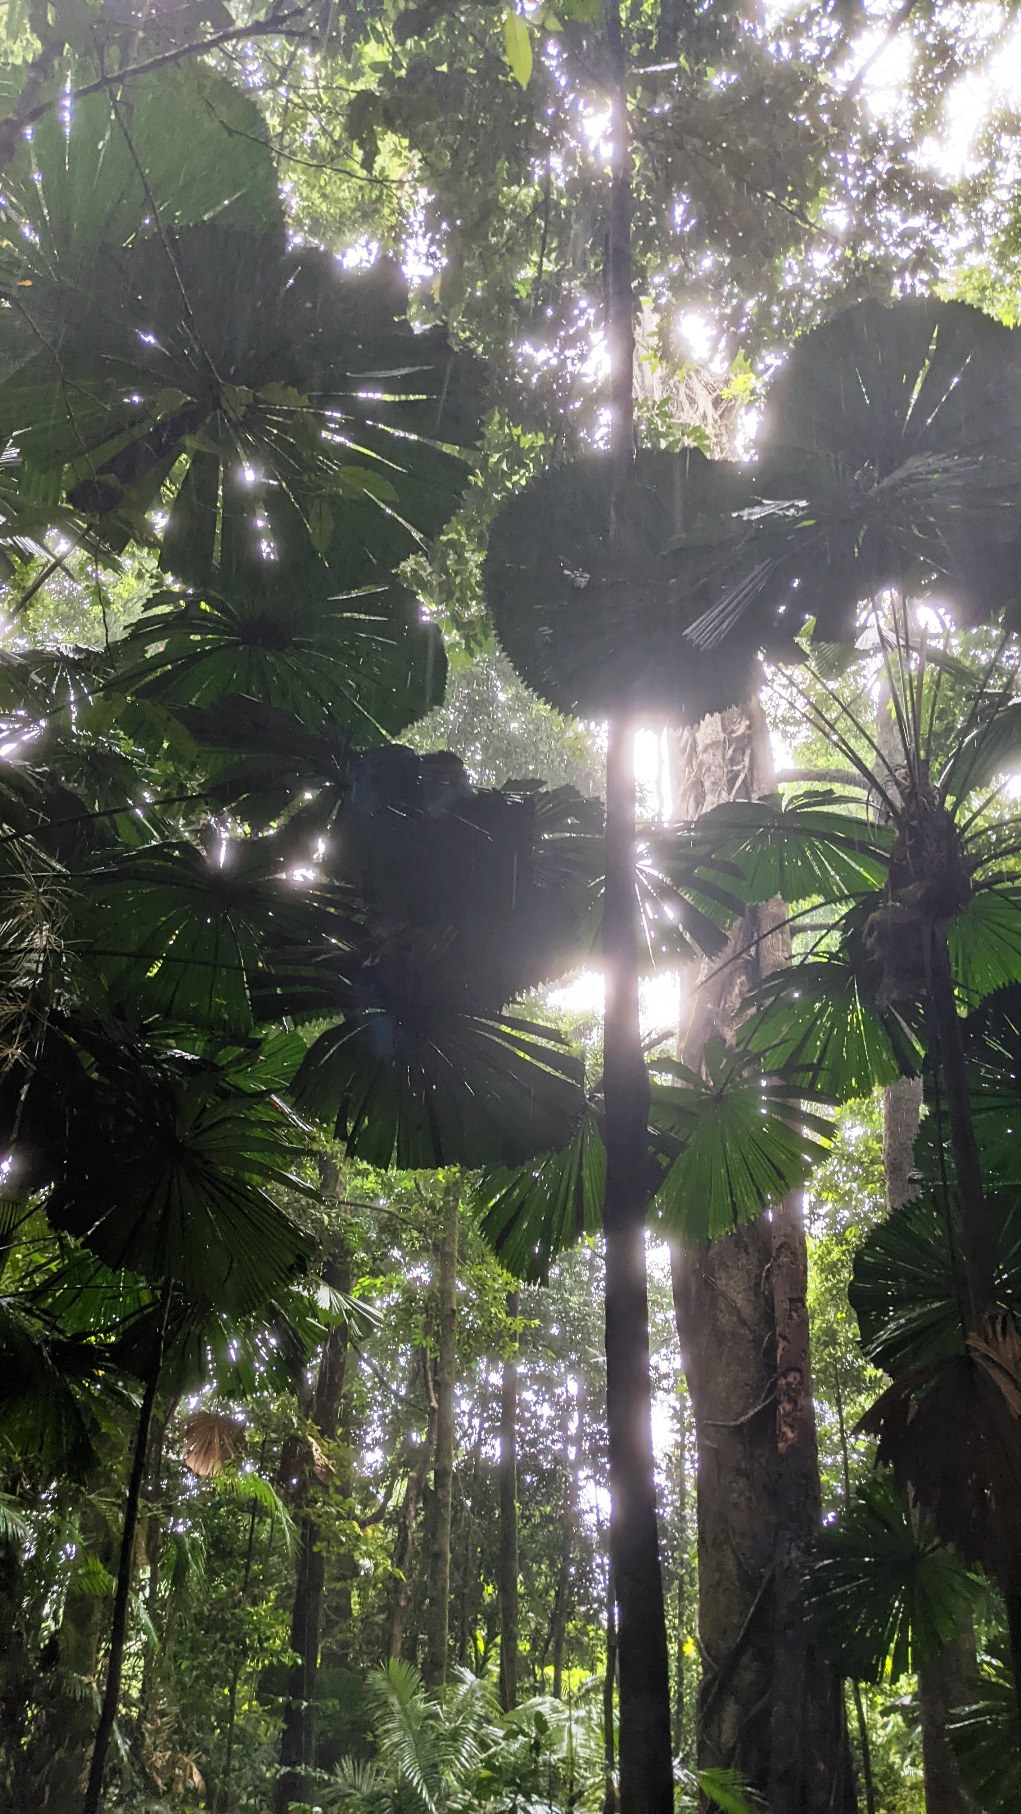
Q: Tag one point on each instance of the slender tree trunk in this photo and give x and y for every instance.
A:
(404, 1546)
(768, 1705)
(681, 1585)
(125, 1568)
(646, 1766)
(609, 1687)
(507, 1572)
(438, 1606)
(569, 1532)
(297, 1740)
(859, 1709)
(942, 1684)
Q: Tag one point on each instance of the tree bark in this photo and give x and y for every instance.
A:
(507, 1573)
(437, 1619)
(768, 1705)
(297, 1740)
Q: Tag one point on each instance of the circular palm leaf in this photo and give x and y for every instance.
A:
(889, 459)
(592, 597)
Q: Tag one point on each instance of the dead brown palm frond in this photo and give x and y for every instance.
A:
(212, 1441)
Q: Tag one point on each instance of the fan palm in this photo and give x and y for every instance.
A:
(890, 461)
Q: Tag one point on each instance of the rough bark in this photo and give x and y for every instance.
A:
(297, 1740)
(437, 1617)
(507, 1576)
(768, 1706)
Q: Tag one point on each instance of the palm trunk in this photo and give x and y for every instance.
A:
(437, 1620)
(646, 1766)
(507, 1570)
(768, 1705)
(943, 1683)
(297, 1740)
(125, 1569)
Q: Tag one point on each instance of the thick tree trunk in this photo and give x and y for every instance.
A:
(437, 1619)
(507, 1569)
(768, 1706)
(297, 1740)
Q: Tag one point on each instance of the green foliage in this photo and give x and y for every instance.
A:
(733, 1144)
(886, 1595)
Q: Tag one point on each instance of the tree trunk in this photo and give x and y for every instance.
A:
(297, 1740)
(768, 1705)
(569, 1531)
(404, 1546)
(437, 1620)
(646, 1765)
(609, 1687)
(125, 1569)
(943, 1685)
(681, 1585)
(507, 1572)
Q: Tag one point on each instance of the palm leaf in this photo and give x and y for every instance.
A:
(795, 849)
(816, 1023)
(884, 1593)
(533, 1214)
(888, 461)
(367, 661)
(985, 1741)
(985, 942)
(596, 625)
(188, 931)
(424, 1085)
(733, 1144)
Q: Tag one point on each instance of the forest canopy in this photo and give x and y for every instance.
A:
(510, 907)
